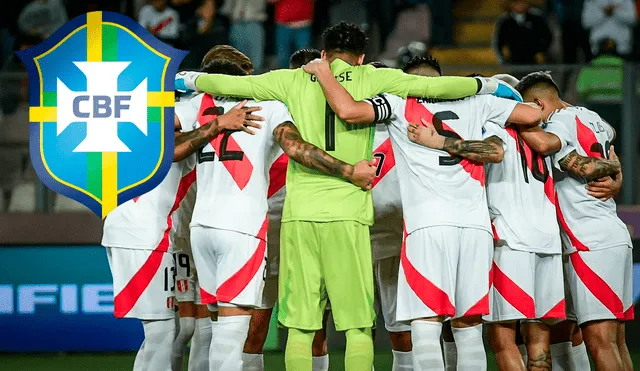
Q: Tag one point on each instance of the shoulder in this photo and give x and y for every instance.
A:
(270, 105)
(146, 9)
(563, 114)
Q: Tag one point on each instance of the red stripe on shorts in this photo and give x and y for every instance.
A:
(629, 314)
(512, 293)
(479, 308)
(558, 311)
(431, 295)
(129, 295)
(232, 287)
(597, 286)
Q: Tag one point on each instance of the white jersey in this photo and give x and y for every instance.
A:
(233, 169)
(386, 232)
(438, 189)
(187, 114)
(521, 196)
(587, 223)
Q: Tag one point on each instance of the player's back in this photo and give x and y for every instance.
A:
(233, 169)
(588, 223)
(521, 196)
(386, 232)
(314, 196)
(437, 188)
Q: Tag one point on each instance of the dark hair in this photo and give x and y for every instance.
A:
(223, 67)
(378, 64)
(230, 54)
(534, 79)
(344, 38)
(428, 61)
(475, 75)
(303, 56)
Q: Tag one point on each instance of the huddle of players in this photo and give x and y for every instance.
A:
(445, 263)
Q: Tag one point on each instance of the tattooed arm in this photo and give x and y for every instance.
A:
(488, 150)
(188, 143)
(305, 153)
(589, 167)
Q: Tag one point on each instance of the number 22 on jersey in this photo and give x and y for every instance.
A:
(228, 150)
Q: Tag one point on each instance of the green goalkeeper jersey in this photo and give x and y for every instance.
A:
(311, 195)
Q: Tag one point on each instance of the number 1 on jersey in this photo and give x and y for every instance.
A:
(329, 129)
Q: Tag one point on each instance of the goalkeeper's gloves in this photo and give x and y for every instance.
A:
(493, 86)
(185, 82)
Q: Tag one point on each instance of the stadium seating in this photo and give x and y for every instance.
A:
(63, 204)
(23, 198)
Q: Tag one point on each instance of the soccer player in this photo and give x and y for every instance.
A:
(446, 257)
(261, 316)
(229, 223)
(597, 243)
(325, 246)
(138, 239)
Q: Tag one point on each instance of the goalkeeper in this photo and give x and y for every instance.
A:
(325, 250)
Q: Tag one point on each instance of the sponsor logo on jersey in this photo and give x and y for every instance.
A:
(101, 109)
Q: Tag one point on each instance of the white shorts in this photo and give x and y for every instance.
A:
(143, 283)
(230, 265)
(526, 285)
(444, 271)
(385, 273)
(600, 282)
(187, 287)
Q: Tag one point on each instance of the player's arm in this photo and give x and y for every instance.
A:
(541, 141)
(606, 187)
(268, 86)
(588, 167)
(525, 115)
(486, 150)
(238, 118)
(305, 153)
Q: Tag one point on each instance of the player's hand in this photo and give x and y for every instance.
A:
(363, 174)
(185, 81)
(498, 88)
(425, 135)
(236, 119)
(606, 187)
(316, 66)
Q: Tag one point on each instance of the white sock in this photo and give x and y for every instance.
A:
(578, 358)
(450, 355)
(252, 362)
(402, 361)
(199, 353)
(156, 351)
(186, 326)
(523, 352)
(228, 336)
(560, 354)
(470, 348)
(426, 352)
(320, 363)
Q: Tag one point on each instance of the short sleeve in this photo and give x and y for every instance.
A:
(384, 106)
(490, 130)
(187, 114)
(497, 110)
(560, 129)
(279, 113)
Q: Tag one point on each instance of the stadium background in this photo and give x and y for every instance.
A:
(55, 286)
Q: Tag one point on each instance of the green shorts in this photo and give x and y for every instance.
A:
(320, 261)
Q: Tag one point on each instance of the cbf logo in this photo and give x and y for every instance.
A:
(101, 116)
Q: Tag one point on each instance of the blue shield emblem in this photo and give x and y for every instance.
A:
(101, 99)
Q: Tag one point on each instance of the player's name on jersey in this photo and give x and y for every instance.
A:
(342, 77)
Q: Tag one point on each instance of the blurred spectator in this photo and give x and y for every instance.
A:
(599, 84)
(294, 20)
(246, 30)
(610, 19)
(161, 20)
(14, 81)
(574, 37)
(8, 30)
(352, 11)
(522, 35)
(202, 31)
(42, 17)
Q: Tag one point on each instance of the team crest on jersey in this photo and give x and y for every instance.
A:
(101, 96)
(171, 302)
(183, 286)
